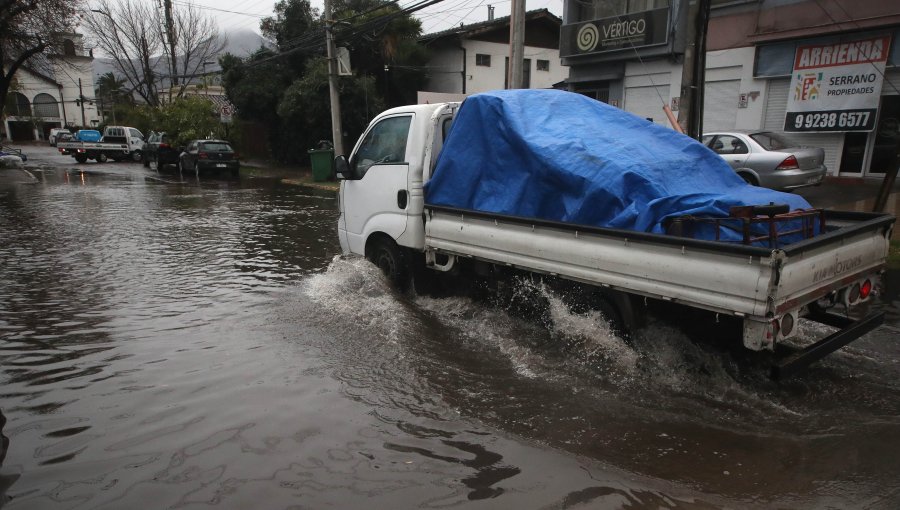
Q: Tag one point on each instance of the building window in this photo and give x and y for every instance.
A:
(543, 65)
(68, 48)
(589, 10)
(17, 105)
(482, 60)
(45, 106)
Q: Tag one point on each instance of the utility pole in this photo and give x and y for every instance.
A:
(81, 100)
(693, 75)
(516, 44)
(170, 35)
(336, 133)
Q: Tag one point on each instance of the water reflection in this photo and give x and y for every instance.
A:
(198, 343)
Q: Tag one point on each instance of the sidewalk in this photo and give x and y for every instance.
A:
(852, 195)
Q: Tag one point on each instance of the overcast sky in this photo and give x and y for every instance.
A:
(245, 14)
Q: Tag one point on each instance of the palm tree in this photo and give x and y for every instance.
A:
(112, 89)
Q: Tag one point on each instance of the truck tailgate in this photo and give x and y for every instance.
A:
(812, 269)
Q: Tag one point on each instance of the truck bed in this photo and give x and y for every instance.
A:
(717, 276)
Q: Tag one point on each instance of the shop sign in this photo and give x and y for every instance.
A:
(628, 31)
(837, 87)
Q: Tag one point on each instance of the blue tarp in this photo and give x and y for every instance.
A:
(561, 156)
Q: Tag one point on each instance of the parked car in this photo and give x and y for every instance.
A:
(209, 156)
(124, 134)
(54, 135)
(770, 160)
(157, 151)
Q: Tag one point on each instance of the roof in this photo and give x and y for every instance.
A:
(476, 29)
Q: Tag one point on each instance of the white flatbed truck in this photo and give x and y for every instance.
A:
(99, 151)
(384, 218)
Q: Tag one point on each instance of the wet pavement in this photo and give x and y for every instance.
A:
(170, 342)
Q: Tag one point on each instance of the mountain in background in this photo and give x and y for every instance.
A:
(241, 42)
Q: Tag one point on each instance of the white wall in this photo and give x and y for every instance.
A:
(481, 79)
(723, 65)
(67, 74)
(445, 70)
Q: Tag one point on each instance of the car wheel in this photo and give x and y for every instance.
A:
(136, 156)
(385, 254)
(749, 179)
(101, 158)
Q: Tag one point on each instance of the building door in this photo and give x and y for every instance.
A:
(645, 102)
(886, 136)
(720, 102)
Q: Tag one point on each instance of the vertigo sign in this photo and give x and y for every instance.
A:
(627, 31)
(837, 87)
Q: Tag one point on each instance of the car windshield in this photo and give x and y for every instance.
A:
(216, 147)
(773, 141)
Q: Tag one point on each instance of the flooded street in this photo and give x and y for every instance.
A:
(196, 344)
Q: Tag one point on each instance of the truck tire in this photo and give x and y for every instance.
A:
(384, 253)
(101, 158)
(81, 158)
(136, 156)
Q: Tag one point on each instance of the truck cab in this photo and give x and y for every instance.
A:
(127, 135)
(383, 178)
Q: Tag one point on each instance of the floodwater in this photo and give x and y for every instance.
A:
(171, 344)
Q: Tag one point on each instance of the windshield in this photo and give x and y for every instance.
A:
(216, 147)
(773, 141)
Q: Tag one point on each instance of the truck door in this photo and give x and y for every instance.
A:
(379, 200)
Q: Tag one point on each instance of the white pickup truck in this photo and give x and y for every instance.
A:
(384, 217)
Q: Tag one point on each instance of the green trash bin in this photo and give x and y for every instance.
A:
(322, 161)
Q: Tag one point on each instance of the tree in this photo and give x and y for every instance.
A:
(126, 32)
(26, 31)
(305, 113)
(111, 88)
(287, 88)
(383, 43)
(134, 34)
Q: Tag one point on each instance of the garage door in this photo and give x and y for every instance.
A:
(720, 105)
(644, 102)
(776, 105)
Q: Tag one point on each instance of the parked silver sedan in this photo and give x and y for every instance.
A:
(768, 159)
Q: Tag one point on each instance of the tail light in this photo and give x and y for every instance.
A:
(789, 163)
(787, 324)
(165, 146)
(203, 155)
(854, 293)
(865, 289)
(80, 151)
(61, 151)
(773, 329)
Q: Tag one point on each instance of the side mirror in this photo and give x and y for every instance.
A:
(343, 170)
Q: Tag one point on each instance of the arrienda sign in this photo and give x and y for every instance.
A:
(635, 30)
(837, 86)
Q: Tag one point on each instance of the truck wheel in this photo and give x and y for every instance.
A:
(101, 158)
(136, 156)
(385, 254)
(81, 158)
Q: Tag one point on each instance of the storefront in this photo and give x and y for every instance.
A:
(862, 148)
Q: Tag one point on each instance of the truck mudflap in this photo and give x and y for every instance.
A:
(851, 330)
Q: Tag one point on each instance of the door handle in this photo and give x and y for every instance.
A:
(401, 199)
